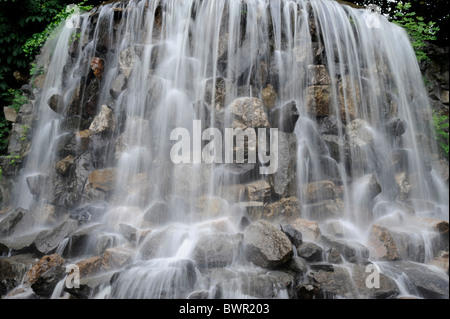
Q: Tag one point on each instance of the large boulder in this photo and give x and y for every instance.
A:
(382, 244)
(104, 122)
(310, 251)
(265, 245)
(44, 264)
(352, 251)
(216, 250)
(8, 223)
(284, 117)
(49, 240)
(47, 281)
(248, 113)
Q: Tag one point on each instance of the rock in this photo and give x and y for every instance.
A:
(284, 209)
(49, 240)
(190, 178)
(322, 190)
(199, 295)
(88, 213)
(56, 103)
(216, 91)
(323, 210)
(321, 266)
(284, 179)
(441, 261)
(349, 98)
(158, 213)
(248, 113)
(359, 133)
(318, 100)
(310, 251)
(22, 243)
(116, 257)
(119, 84)
(12, 270)
(284, 117)
(45, 263)
(318, 75)
(352, 251)
(216, 250)
(127, 59)
(293, 234)
(382, 244)
(445, 97)
(237, 173)
(308, 291)
(47, 281)
(334, 257)
(254, 210)
(65, 165)
(8, 223)
(89, 267)
(309, 229)
(258, 191)
(97, 66)
(80, 238)
(266, 286)
(403, 184)
(10, 114)
(74, 124)
(329, 125)
(367, 188)
(129, 232)
(265, 245)
(37, 183)
(104, 122)
(429, 283)
(104, 179)
(298, 265)
(269, 97)
(396, 127)
(336, 228)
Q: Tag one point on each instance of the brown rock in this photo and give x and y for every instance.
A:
(116, 257)
(258, 191)
(104, 179)
(309, 229)
(269, 97)
(382, 244)
(318, 75)
(90, 266)
(321, 190)
(349, 98)
(44, 264)
(97, 65)
(318, 100)
(63, 167)
(284, 209)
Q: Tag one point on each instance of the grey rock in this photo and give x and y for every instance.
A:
(47, 281)
(284, 117)
(310, 252)
(216, 250)
(352, 251)
(293, 234)
(284, 178)
(8, 223)
(48, 240)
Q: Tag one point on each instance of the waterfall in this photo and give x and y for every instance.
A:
(137, 133)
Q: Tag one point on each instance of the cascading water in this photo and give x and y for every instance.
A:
(356, 168)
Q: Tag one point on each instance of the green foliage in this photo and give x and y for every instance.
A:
(418, 30)
(441, 125)
(33, 45)
(4, 133)
(16, 98)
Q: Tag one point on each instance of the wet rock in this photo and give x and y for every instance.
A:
(430, 284)
(199, 295)
(238, 173)
(293, 234)
(382, 243)
(269, 96)
(89, 213)
(19, 244)
(97, 66)
(12, 270)
(263, 286)
(258, 191)
(318, 100)
(284, 209)
(322, 190)
(103, 180)
(283, 181)
(216, 250)
(47, 281)
(323, 210)
(65, 165)
(396, 127)
(37, 183)
(56, 103)
(309, 229)
(404, 186)
(216, 91)
(104, 122)
(334, 257)
(44, 264)
(248, 113)
(358, 133)
(336, 228)
(298, 265)
(48, 240)
(158, 213)
(318, 75)
(127, 60)
(329, 125)
(254, 210)
(308, 291)
(8, 224)
(119, 84)
(129, 232)
(321, 266)
(89, 267)
(310, 252)
(116, 257)
(265, 245)
(352, 251)
(74, 124)
(349, 98)
(284, 117)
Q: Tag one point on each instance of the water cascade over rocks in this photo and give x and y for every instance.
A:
(327, 187)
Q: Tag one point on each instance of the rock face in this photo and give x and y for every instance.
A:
(265, 245)
(216, 250)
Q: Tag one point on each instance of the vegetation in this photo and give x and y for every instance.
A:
(441, 126)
